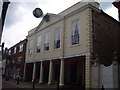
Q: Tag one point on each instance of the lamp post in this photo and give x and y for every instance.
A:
(37, 12)
(2, 17)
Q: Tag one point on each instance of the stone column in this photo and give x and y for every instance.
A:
(50, 72)
(41, 72)
(61, 83)
(24, 74)
(87, 71)
(95, 75)
(34, 71)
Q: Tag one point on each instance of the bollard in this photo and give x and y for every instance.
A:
(33, 86)
(18, 79)
(103, 88)
(5, 77)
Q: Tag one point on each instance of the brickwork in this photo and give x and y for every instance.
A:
(17, 59)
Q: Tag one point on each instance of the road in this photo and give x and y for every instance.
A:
(5, 84)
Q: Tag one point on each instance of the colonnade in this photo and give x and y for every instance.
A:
(50, 77)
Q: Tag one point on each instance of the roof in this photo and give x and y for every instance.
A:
(18, 43)
(117, 4)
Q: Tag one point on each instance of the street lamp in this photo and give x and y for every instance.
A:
(37, 12)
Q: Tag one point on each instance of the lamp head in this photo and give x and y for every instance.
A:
(37, 12)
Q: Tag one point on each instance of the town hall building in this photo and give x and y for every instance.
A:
(77, 46)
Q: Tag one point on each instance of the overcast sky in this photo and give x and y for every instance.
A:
(20, 19)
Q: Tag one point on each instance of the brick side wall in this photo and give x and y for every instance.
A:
(105, 37)
(15, 56)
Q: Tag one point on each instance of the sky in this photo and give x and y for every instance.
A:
(19, 18)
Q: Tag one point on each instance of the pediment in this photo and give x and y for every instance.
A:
(52, 19)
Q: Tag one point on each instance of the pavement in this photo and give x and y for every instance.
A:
(12, 84)
(25, 85)
(0, 78)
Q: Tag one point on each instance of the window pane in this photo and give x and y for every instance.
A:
(57, 38)
(38, 43)
(38, 49)
(75, 32)
(46, 46)
(38, 40)
(21, 48)
(47, 37)
(30, 46)
(57, 33)
(46, 42)
(14, 50)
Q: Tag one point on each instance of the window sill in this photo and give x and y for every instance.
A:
(38, 52)
(46, 51)
(29, 54)
(75, 45)
(55, 49)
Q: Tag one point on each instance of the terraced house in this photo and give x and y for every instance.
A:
(77, 46)
(15, 59)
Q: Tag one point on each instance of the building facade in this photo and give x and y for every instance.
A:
(3, 11)
(16, 59)
(117, 5)
(75, 46)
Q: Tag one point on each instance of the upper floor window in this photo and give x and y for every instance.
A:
(38, 44)
(19, 60)
(46, 42)
(30, 47)
(75, 32)
(21, 48)
(15, 50)
(57, 38)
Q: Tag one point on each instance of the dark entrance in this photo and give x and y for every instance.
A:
(45, 71)
(73, 65)
(75, 71)
(37, 75)
(29, 71)
(56, 70)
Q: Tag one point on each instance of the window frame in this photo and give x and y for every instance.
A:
(15, 50)
(30, 47)
(57, 38)
(38, 45)
(21, 47)
(73, 35)
(9, 52)
(46, 41)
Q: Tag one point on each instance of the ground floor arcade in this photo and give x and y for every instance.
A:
(63, 71)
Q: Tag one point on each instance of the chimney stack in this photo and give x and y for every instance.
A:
(117, 5)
